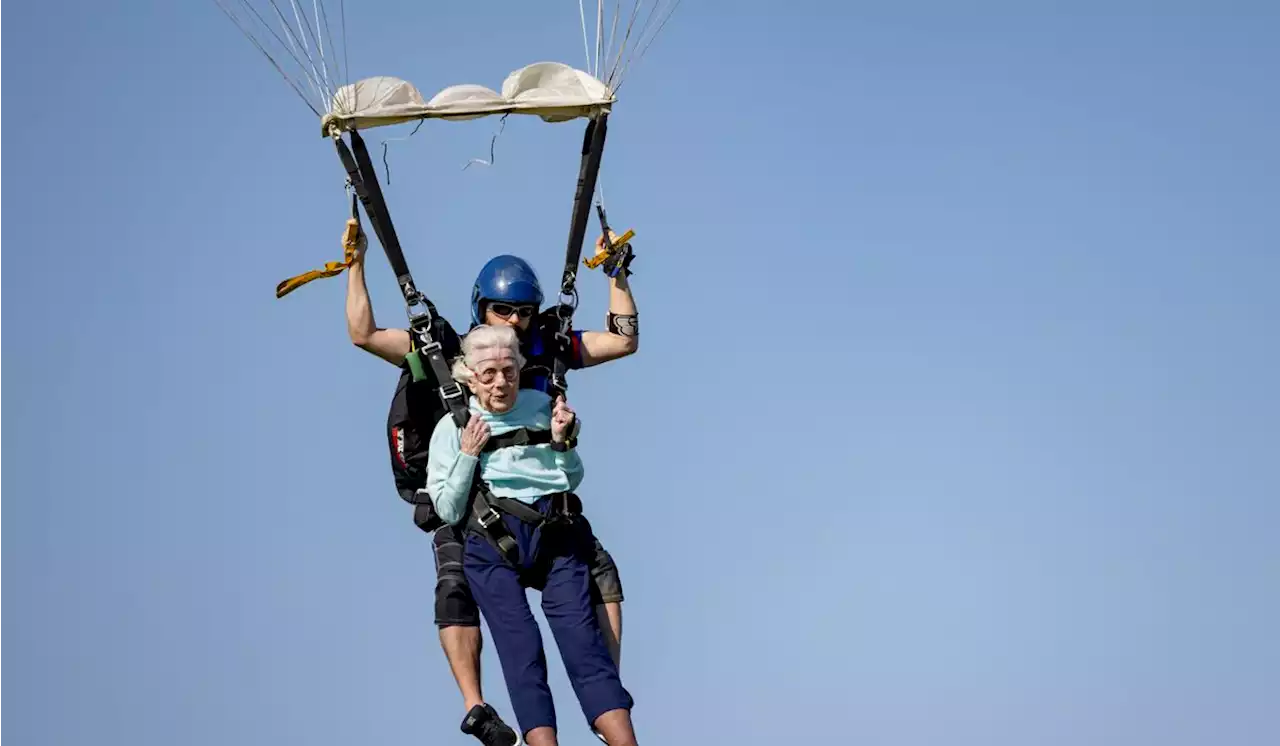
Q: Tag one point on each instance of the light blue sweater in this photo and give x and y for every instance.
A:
(524, 473)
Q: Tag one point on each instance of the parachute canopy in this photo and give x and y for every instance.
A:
(551, 90)
(306, 42)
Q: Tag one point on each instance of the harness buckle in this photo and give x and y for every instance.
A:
(418, 310)
(489, 518)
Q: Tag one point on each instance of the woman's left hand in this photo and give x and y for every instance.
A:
(562, 418)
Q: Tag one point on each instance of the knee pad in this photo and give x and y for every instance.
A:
(455, 606)
(606, 582)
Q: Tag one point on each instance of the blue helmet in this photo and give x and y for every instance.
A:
(505, 278)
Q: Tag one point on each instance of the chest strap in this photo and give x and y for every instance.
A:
(487, 509)
(518, 437)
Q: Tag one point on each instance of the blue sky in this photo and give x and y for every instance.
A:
(954, 420)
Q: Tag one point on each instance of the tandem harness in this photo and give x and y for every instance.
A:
(486, 509)
(426, 360)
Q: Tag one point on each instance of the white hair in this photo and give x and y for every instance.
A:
(476, 348)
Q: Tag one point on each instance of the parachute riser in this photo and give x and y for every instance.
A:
(364, 180)
(588, 171)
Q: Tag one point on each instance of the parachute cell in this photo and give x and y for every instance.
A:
(553, 91)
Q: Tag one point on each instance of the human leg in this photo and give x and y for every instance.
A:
(609, 617)
(566, 603)
(458, 620)
(462, 649)
(606, 590)
(457, 617)
(501, 597)
(615, 727)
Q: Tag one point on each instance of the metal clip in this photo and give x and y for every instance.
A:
(489, 519)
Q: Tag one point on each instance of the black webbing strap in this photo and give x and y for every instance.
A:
(364, 180)
(518, 437)
(424, 515)
(449, 391)
(488, 522)
(588, 171)
(487, 508)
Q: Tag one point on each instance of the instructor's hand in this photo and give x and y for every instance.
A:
(600, 244)
(360, 243)
(474, 436)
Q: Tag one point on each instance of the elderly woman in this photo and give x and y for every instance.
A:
(550, 555)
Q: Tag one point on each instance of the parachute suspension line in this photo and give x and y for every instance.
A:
(586, 47)
(614, 69)
(346, 60)
(290, 47)
(265, 53)
(294, 43)
(305, 31)
(319, 37)
(649, 42)
(599, 35)
(308, 69)
(291, 42)
(588, 171)
(613, 32)
(339, 77)
(631, 50)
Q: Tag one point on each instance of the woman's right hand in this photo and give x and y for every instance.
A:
(474, 436)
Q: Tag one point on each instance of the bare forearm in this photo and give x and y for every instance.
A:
(621, 302)
(621, 337)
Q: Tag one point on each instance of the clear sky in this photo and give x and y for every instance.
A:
(954, 420)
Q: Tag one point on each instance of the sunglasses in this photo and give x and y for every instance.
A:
(506, 309)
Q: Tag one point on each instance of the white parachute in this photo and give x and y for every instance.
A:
(308, 46)
(551, 90)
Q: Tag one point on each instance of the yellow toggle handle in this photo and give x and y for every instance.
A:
(331, 269)
(602, 256)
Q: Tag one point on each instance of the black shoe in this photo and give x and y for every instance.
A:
(483, 723)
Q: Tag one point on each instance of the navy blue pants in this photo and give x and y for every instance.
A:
(554, 560)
